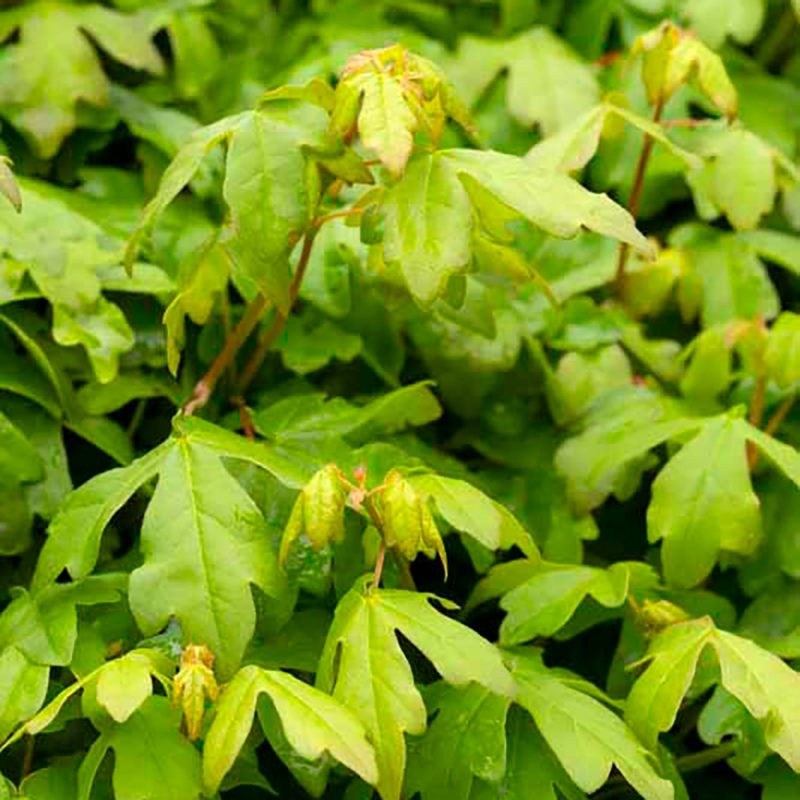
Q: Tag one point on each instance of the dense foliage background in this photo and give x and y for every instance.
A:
(368, 315)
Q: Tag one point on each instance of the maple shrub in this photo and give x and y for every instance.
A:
(397, 399)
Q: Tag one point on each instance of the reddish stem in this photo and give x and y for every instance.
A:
(205, 386)
(279, 322)
(637, 189)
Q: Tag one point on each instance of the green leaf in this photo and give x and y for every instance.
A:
(8, 184)
(53, 66)
(703, 502)
(308, 344)
(314, 416)
(267, 193)
(739, 180)
(202, 277)
(716, 20)
(428, 200)
(19, 461)
(735, 282)
(313, 724)
(151, 758)
(55, 782)
(587, 738)
(469, 510)
(782, 355)
(176, 177)
(124, 684)
(654, 701)
(723, 716)
(576, 143)
(553, 202)
(500, 188)
(783, 456)
(466, 741)
(44, 626)
(101, 329)
(765, 685)
(565, 87)
(23, 687)
(363, 666)
(73, 541)
(619, 432)
(544, 603)
(204, 543)
(225, 443)
(63, 252)
(529, 763)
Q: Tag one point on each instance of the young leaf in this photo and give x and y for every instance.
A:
(363, 666)
(526, 189)
(438, 191)
(313, 724)
(386, 124)
(587, 738)
(671, 57)
(703, 502)
(204, 543)
(767, 687)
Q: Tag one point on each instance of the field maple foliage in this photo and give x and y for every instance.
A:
(397, 399)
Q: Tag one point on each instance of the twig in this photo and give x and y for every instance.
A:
(774, 422)
(205, 386)
(705, 758)
(379, 561)
(244, 418)
(347, 212)
(27, 757)
(779, 416)
(279, 322)
(636, 190)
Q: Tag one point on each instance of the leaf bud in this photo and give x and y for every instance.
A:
(193, 683)
(318, 512)
(408, 524)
